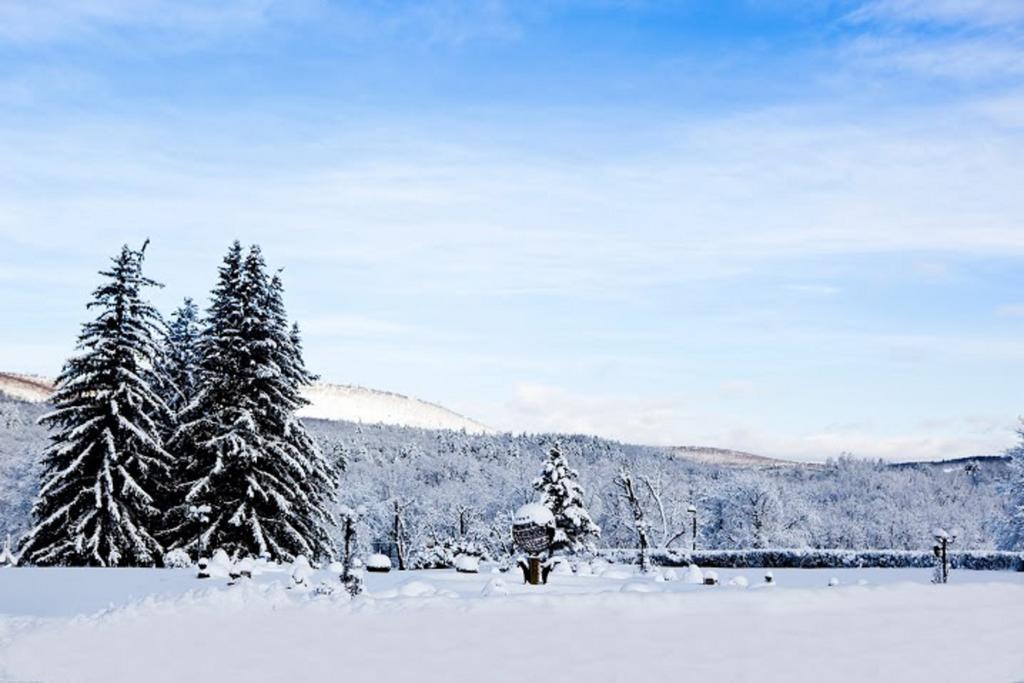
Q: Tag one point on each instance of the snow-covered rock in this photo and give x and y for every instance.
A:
(670, 575)
(739, 582)
(834, 581)
(711, 578)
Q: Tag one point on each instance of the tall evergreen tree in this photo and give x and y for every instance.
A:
(243, 451)
(561, 492)
(1011, 535)
(106, 467)
(179, 359)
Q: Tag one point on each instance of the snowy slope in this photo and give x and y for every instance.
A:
(358, 404)
(725, 457)
(328, 402)
(29, 388)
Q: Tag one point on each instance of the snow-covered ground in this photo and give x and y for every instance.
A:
(165, 625)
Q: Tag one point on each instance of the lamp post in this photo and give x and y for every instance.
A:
(693, 511)
(200, 514)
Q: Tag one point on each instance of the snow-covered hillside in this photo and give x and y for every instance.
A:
(327, 402)
(358, 404)
(29, 388)
(725, 457)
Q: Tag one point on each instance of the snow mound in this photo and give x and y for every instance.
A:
(495, 587)
(640, 587)
(739, 582)
(416, 589)
(616, 573)
(693, 574)
(670, 575)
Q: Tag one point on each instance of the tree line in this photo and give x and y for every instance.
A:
(182, 435)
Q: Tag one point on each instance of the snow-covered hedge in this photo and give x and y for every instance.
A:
(820, 559)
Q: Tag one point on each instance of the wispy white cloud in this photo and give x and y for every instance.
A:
(1010, 311)
(993, 13)
(673, 421)
(40, 21)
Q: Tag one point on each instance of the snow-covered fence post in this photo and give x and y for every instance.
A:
(943, 541)
(693, 511)
(200, 514)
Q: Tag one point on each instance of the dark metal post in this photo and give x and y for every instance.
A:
(693, 511)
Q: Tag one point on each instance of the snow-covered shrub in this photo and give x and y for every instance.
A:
(378, 563)
(810, 558)
(467, 564)
(177, 559)
(442, 554)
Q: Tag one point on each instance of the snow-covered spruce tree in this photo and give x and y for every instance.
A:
(105, 469)
(1011, 535)
(179, 359)
(561, 492)
(242, 450)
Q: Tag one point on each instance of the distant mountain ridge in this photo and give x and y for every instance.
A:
(327, 402)
(730, 458)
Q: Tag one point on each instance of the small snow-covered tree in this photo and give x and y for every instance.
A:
(561, 492)
(638, 520)
(106, 466)
(243, 452)
(1011, 535)
(179, 361)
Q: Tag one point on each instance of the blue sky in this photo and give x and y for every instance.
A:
(795, 228)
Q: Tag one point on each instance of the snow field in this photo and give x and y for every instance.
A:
(439, 625)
